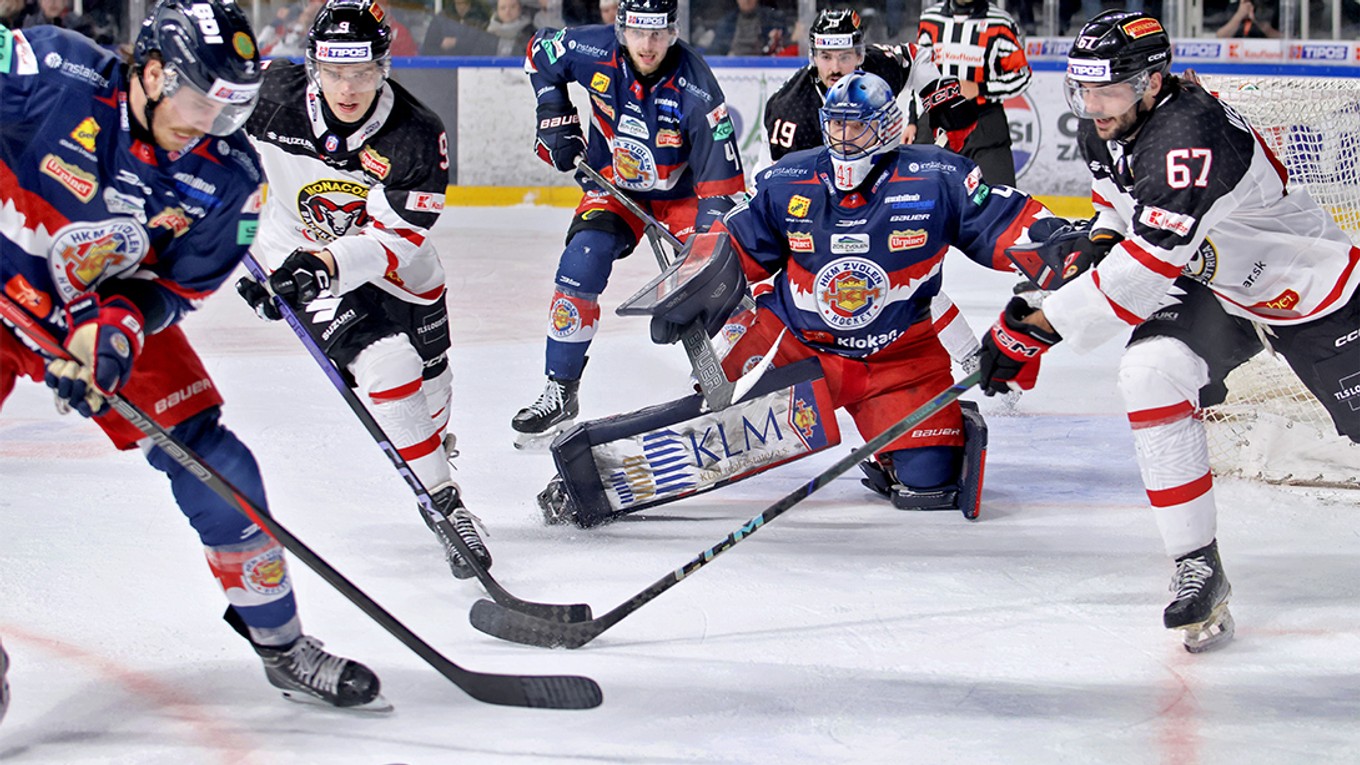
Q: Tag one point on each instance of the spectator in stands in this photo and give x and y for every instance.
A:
(12, 13)
(549, 14)
(512, 28)
(287, 34)
(749, 30)
(1245, 24)
(609, 11)
(459, 31)
(58, 13)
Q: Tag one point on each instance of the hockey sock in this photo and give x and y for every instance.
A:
(388, 374)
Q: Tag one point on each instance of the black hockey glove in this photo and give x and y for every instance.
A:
(259, 298)
(559, 141)
(1011, 351)
(302, 277)
(943, 100)
(1068, 251)
(711, 210)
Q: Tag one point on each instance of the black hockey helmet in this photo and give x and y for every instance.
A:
(207, 45)
(1118, 45)
(647, 14)
(351, 32)
(836, 29)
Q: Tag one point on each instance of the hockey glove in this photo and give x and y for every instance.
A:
(559, 141)
(105, 338)
(1011, 351)
(302, 277)
(1067, 252)
(711, 210)
(943, 100)
(259, 298)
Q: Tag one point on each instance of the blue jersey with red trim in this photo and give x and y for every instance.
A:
(86, 205)
(853, 271)
(666, 136)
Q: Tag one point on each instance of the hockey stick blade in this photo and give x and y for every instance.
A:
(516, 627)
(572, 612)
(541, 691)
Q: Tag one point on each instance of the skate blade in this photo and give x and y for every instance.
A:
(540, 441)
(379, 705)
(1211, 633)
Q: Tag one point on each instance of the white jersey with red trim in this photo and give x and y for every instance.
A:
(370, 197)
(1198, 193)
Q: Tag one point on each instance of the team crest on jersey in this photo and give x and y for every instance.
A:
(265, 574)
(374, 163)
(85, 132)
(907, 240)
(1203, 265)
(799, 206)
(172, 218)
(600, 82)
(80, 183)
(851, 292)
(634, 165)
(84, 253)
(331, 208)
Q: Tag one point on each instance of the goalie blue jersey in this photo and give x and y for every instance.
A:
(85, 200)
(854, 270)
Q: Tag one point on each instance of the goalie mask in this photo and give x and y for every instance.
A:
(211, 63)
(1111, 64)
(860, 122)
(350, 43)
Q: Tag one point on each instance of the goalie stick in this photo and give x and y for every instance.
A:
(574, 612)
(717, 390)
(506, 624)
(540, 691)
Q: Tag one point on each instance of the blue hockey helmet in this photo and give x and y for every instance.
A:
(860, 121)
(208, 47)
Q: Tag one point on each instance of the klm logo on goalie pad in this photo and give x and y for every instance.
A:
(712, 449)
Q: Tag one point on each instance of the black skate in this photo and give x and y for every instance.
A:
(554, 411)
(1200, 605)
(556, 505)
(448, 501)
(306, 673)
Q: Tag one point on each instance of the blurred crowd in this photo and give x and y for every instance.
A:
(716, 27)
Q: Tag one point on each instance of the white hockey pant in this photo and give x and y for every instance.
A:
(1160, 378)
(388, 376)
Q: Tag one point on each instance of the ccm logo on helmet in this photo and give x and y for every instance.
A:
(207, 22)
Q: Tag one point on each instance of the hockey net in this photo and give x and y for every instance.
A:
(1271, 428)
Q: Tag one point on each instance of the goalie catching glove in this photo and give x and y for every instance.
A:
(559, 141)
(1011, 351)
(1067, 252)
(105, 338)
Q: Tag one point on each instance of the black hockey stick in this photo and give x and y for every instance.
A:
(573, 613)
(547, 692)
(506, 624)
(717, 390)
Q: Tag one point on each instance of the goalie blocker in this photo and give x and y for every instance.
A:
(629, 462)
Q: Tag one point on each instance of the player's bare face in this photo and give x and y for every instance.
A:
(835, 64)
(349, 89)
(647, 47)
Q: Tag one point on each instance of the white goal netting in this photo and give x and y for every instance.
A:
(1271, 428)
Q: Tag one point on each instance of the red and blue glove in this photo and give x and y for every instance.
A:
(1011, 351)
(104, 340)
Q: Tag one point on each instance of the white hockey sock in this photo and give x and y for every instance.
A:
(388, 375)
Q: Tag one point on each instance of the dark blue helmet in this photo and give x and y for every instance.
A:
(207, 45)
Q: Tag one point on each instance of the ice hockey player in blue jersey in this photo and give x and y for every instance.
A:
(1202, 249)
(129, 195)
(855, 235)
(659, 131)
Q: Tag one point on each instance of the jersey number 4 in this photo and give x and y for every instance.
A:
(1180, 174)
(782, 133)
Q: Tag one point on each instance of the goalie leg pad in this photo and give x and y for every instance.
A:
(633, 461)
(965, 495)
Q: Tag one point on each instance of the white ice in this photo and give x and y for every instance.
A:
(845, 631)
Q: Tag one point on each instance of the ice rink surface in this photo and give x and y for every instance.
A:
(845, 631)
